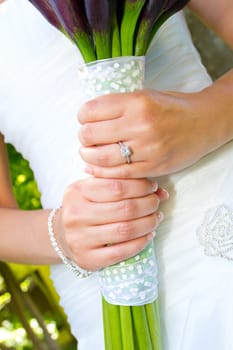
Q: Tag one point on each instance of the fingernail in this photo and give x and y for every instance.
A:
(88, 170)
(154, 186)
(151, 236)
(166, 193)
(160, 216)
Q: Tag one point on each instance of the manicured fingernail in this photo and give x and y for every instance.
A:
(154, 186)
(160, 216)
(151, 236)
(88, 170)
(166, 193)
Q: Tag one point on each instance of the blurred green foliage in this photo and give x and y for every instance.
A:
(24, 184)
(30, 316)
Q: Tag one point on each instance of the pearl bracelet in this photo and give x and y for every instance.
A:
(72, 266)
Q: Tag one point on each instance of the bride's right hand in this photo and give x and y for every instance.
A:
(104, 221)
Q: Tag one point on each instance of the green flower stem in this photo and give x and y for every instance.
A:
(154, 324)
(141, 43)
(126, 328)
(116, 45)
(141, 328)
(156, 305)
(102, 45)
(106, 321)
(132, 10)
(99, 22)
(112, 326)
(82, 40)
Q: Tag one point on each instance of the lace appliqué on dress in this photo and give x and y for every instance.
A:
(216, 232)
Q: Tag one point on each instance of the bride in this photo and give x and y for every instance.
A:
(180, 131)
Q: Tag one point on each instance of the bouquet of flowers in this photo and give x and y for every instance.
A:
(113, 37)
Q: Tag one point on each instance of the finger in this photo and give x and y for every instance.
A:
(162, 194)
(109, 155)
(124, 171)
(111, 190)
(113, 254)
(104, 132)
(125, 210)
(113, 233)
(103, 107)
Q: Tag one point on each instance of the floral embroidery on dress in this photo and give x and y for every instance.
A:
(216, 232)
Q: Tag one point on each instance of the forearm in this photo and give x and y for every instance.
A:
(24, 237)
(217, 15)
(7, 199)
(216, 103)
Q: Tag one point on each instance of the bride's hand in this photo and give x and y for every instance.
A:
(165, 132)
(105, 221)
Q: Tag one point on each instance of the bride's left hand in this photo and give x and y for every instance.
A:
(165, 132)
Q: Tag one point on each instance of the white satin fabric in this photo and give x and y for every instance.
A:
(40, 94)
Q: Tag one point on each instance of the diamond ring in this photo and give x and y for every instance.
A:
(125, 152)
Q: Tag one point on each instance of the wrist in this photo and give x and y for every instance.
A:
(69, 262)
(59, 232)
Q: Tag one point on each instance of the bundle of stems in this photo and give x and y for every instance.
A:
(104, 29)
(132, 327)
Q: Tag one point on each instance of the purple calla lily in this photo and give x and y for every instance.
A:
(98, 17)
(149, 15)
(170, 7)
(72, 16)
(47, 11)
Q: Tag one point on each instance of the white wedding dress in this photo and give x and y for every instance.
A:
(40, 95)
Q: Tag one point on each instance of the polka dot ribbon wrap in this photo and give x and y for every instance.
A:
(134, 281)
(113, 75)
(131, 282)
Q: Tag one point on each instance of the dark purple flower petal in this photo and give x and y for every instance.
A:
(149, 15)
(170, 7)
(174, 5)
(47, 11)
(71, 14)
(98, 14)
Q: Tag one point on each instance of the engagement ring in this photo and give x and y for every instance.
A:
(125, 152)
